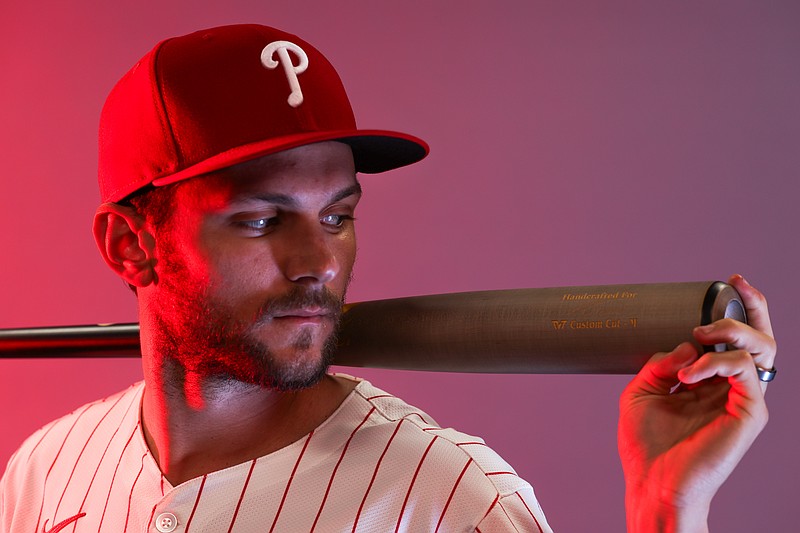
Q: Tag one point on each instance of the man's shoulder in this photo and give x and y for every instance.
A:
(454, 449)
(69, 433)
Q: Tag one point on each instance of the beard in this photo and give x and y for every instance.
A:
(203, 335)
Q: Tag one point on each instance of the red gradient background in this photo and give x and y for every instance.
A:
(572, 143)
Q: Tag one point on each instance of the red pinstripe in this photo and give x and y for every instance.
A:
(335, 468)
(102, 458)
(196, 501)
(419, 415)
(468, 443)
(489, 510)
(510, 521)
(500, 473)
(531, 512)
(241, 496)
(374, 474)
(152, 514)
(30, 455)
(114, 476)
(80, 454)
(289, 483)
(450, 498)
(55, 459)
(413, 479)
(130, 496)
(379, 396)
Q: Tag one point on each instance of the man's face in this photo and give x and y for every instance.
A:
(253, 267)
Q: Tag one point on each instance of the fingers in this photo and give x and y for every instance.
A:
(737, 366)
(755, 337)
(742, 337)
(660, 374)
(755, 304)
(753, 344)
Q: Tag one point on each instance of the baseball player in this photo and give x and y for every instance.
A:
(228, 161)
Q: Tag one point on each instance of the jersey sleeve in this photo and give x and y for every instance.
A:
(518, 511)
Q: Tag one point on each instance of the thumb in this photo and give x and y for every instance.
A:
(660, 374)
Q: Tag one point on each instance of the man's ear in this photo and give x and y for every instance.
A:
(125, 243)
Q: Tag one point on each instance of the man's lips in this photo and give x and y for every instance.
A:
(315, 313)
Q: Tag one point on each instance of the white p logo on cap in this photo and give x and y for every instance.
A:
(291, 70)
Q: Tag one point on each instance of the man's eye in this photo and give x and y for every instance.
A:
(335, 220)
(257, 224)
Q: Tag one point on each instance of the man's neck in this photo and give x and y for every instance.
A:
(195, 426)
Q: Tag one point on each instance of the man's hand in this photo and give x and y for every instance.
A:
(686, 420)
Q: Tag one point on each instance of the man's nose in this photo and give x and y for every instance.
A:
(310, 255)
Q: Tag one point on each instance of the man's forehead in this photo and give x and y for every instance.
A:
(322, 169)
(327, 155)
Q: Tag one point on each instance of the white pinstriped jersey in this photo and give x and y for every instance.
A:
(377, 464)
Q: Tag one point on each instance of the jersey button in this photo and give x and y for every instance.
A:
(166, 522)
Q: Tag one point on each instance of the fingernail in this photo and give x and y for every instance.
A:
(705, 329)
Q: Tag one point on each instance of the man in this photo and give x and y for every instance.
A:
(228, 162)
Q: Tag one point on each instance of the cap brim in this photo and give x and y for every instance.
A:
(374, 151)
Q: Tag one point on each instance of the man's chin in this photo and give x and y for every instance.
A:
(296, 383)
(295, 375)
(300, 364)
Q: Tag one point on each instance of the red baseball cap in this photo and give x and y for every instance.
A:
(222, 96)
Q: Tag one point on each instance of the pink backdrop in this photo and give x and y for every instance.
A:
(573, 143)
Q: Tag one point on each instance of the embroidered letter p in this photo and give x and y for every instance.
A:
(291, 70)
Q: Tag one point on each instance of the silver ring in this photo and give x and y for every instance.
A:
(766, 375)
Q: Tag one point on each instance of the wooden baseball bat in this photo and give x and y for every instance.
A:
(603, 329)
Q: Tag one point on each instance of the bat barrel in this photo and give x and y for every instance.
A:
(608, 329)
